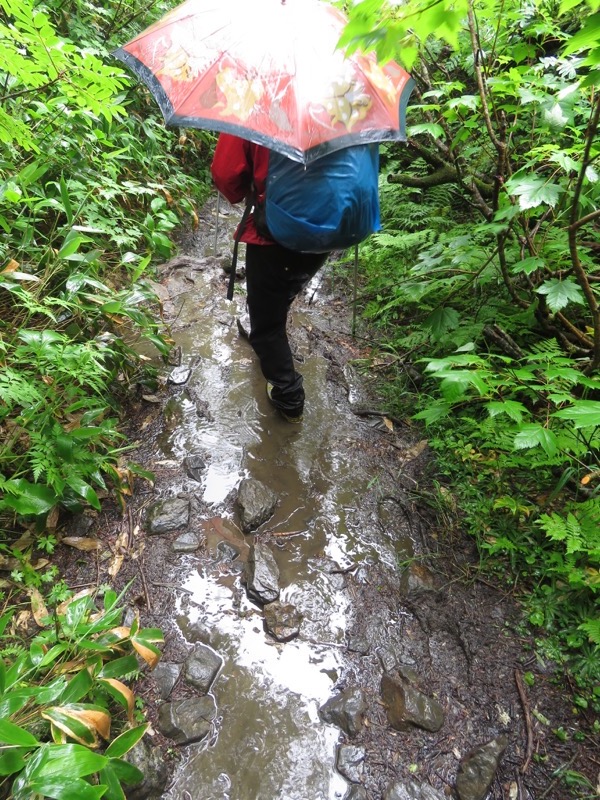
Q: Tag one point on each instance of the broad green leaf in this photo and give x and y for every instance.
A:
(583, 414)
(84, 490)
(528, 265)
(514, 410)
(125, 741)
(67, 789)
(126, 772)
(442, 320)
(109, 779)
(29, 498)
(432, 128)
(14, 734)
(77, 688)
(533, 191)
(560, 293)
(12, 759)
(120, 667)
(70, 246)
(2, 676)
(587, 37)
(534, 435)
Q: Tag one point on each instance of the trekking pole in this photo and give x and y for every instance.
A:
(354, 296)
(217, 220)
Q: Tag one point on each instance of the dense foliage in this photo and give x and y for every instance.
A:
(92, 187)
(484, 287)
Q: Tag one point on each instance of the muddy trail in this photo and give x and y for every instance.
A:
(320, 638)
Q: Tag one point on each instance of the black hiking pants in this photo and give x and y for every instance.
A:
(274, 277)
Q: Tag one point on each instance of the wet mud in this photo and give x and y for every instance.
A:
(378, 582)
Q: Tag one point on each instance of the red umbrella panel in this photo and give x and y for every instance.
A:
(269, 71)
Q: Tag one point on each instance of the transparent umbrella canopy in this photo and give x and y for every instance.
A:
(269, 71)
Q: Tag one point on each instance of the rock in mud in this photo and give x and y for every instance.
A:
(405, 706)
(262, 575)
(350, 762)
(282, 622)
(202, 667)
(168, 515)
(187, 721)
(165, 675)
(346, 710)
(256, 502)
(194, 466)
(356, 792)
(188, 542)
(179, 376)
(411, 790)
(149, 760)
(478, 769)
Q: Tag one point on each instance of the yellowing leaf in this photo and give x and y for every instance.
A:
(38, 607)
(82, 543)
(388, 424)
(62, 608)
(125, 693)
(11, 266)
(148, 652)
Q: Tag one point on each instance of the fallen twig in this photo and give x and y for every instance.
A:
(528, 727)
(144, 584)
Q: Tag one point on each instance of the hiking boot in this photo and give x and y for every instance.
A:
(295, 419)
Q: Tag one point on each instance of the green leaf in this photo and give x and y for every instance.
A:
(66, 789)
(442, 320)
(534, 435)
(528, 265)
(70, 246)
(126, 772)
(514, 410)
(560, 293)
(533, 191)
(84, 490)
(14, 734)
(587, 37)
(28, 498)
(123, 743)
(112, 784)
(432, 128)
(583, 413)
(12, 759)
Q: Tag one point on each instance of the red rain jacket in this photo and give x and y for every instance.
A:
(237, 165)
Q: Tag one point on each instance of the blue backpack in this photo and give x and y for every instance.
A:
(331, 204)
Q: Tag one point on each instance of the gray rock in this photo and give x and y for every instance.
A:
(194, 466)
(406, 705)
(149, 760)
(282, 621)
(187, 721)
(346, 710)
(168, 515)
(418, 578)
(350, 762)
(478, 769)
(262, 575)
(356, 792)
(166, 674)
(201, 667)
(194, 630)
(256, 503)
(188, 542)
(179, 375)
(411, 790)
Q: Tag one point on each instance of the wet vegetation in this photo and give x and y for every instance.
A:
(479, 298)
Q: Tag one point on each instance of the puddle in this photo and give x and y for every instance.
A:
(268, 741)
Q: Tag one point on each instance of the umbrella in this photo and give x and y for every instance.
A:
(269, 71)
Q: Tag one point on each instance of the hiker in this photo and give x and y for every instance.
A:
(274, 274)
